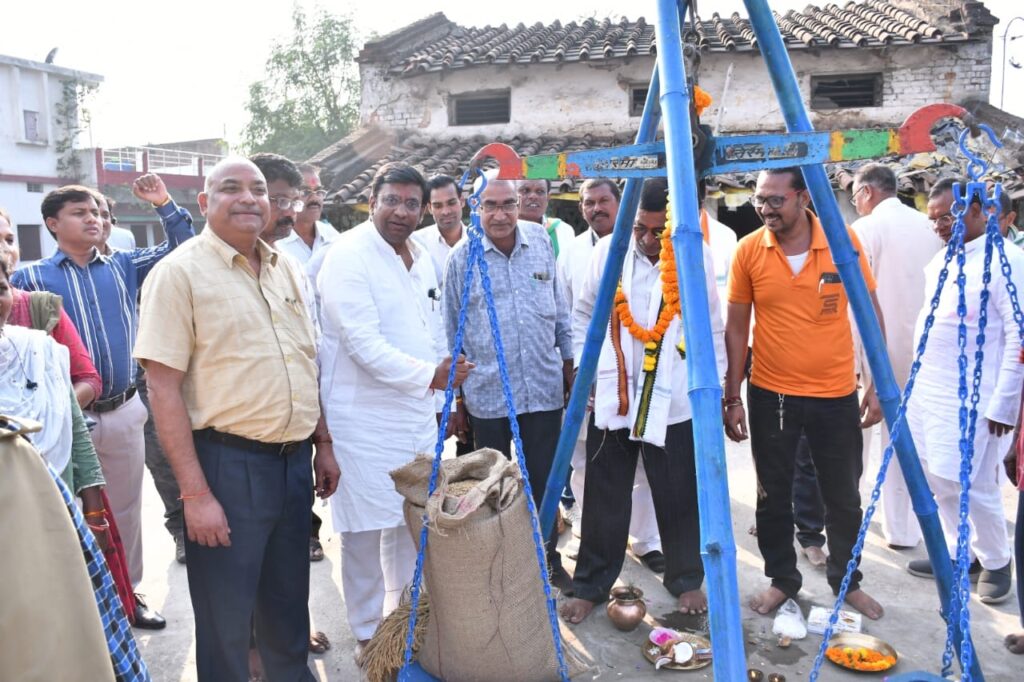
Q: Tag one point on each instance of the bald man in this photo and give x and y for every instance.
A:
(231, 359)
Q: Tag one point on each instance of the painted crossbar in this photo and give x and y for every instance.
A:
(733, 153)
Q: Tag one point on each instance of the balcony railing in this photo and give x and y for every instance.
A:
(158, 160)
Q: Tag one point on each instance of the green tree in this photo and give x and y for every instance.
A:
(309, 97)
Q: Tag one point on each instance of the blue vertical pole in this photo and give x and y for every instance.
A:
(788, 93)
(718, 548)
(577, 407)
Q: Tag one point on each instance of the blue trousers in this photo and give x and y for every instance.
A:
(262, 579)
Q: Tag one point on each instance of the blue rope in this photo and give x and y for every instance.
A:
(476, 259)
(959, 612)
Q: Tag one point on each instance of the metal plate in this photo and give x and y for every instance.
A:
(652, 653)
(858, 640)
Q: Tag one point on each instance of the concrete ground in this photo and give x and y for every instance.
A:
(911, 624)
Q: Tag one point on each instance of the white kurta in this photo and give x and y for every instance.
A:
(381, 343)
(644, 296)
(898, 242)
(935, 397)
(431, 239)
(722, 241)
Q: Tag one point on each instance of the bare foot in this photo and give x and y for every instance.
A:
(318, 642)
(360, 647)
(767, 601)
(693, 601)
(255, 666)
(1015, 643)
(863, 602)
(816, 556)
(575, 611)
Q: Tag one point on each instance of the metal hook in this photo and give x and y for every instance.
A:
(977, 166)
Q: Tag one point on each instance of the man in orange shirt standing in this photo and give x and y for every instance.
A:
(802, 381)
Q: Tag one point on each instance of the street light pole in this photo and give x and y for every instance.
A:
(1002, 85)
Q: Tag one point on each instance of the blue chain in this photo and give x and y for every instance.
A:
(958, 613)
(876, 492)
(449, 394)
(476, 259)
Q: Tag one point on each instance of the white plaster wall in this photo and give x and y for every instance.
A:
(21, 89)
(592, 97)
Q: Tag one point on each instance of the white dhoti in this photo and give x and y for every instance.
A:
(899, 523)
(377, 565)
(937, 447)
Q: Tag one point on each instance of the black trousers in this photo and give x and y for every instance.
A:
(608, 486)
(539, 432)
(808, 509)
(832, 427)
(262, 579)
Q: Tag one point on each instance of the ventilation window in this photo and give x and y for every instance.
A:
(637, 99)
(480, 108)
(852, 91)
(34, 187)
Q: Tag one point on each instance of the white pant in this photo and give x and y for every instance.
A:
(990, 542)
(121, 446)
(376, 566)
(899, 523)
(643, 524)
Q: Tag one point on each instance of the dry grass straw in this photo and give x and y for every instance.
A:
(385, 652)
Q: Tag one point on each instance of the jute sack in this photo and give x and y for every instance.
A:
(488, 618)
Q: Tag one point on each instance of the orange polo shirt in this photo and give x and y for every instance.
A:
(803, 344)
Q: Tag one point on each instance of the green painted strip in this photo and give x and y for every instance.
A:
(865, 144)
(542, 166)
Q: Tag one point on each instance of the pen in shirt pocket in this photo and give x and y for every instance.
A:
(828, 278)
(541, 276)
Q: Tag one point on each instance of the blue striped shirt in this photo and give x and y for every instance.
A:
(102, 298)
(532, 315)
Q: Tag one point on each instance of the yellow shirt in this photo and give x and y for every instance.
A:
(246, 345)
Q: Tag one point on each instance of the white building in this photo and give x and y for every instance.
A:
(38, 116)
(434, 92)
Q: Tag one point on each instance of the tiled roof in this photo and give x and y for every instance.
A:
(348, 179)
(349, 166)
(436, 43)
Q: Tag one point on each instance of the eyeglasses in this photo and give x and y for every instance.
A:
(284, 203)
(656, 232)
(944, 219)
(392, 201)
(773, 201)
(853, 197)
(507, 207)
(318, 193)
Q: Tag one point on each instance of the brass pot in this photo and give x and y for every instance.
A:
(626, 609)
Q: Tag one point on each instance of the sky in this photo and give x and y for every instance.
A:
(182, 71)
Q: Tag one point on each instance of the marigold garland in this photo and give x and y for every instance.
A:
(669, 294)
(701, 99)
